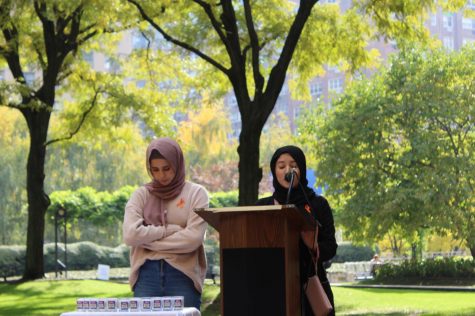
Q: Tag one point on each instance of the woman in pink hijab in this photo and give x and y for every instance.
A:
(165, 235)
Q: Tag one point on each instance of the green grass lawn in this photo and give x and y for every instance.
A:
(361, 301)
(38, 298)
(53, 297)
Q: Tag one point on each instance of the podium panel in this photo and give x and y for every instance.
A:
(256, 285)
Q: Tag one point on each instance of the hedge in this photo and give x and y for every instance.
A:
(347, 252)
(104, 207)
(223, 199)
(80, 256)
(430, 269)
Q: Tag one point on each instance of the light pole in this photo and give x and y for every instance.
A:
(60, 215)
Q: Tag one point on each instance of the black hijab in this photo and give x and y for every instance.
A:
(297, 196)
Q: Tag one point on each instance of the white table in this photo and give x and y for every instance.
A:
(187, 311)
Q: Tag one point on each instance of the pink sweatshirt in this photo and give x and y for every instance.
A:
(180, 243)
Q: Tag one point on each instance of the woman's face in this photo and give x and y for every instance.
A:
(284, 164)
(162, 171)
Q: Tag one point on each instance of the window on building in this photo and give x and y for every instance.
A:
(335, 85)
(297, 111)
(29, 77)
(316, 90)
(449, 21)
(448, 42)
(433, 19)
(467, 24)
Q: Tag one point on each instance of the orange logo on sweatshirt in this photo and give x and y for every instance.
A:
(181, 203)
(307, 208)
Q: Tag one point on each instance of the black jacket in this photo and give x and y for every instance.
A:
(326, 238)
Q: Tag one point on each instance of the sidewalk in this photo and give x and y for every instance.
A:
(409, 287)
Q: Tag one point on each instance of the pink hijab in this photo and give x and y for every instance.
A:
(154, 212)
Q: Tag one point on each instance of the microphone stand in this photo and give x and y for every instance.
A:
(317, 223)
(291, 184)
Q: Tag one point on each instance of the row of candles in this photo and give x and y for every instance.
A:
(130, 304)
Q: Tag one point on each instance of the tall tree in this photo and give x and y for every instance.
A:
(252, 44)
(42, 38)
(397, 151)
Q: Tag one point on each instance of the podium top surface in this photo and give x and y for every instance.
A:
(213, 215)
(246, 208)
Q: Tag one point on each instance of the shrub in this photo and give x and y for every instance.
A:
(427, 270)
(80, 256)
(224, 199)
(12, 260)
(348, 253)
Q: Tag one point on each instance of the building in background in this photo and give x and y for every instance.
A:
(452, 29)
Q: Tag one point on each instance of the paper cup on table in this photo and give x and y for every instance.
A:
(167, 303)
(157, 303)
(124, 304)
(93, 304)
(178, 302)
(112, 304)
(80, 304)
(146, 304)
(102, 304)
(85, 305)
(134, 304)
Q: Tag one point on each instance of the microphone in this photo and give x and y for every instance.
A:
(288, 175)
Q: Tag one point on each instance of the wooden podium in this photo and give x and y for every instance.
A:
(259, 257)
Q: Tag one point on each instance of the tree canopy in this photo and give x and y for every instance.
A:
(397, 151)
(254, 46)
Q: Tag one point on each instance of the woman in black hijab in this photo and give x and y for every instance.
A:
(285, 160)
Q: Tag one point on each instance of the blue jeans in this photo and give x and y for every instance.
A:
(158, 278)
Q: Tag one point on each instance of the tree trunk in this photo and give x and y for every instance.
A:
(471, 246)
(250, 174)
(414, 252)
(38, 201)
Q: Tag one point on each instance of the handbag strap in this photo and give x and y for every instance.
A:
(315, 254)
